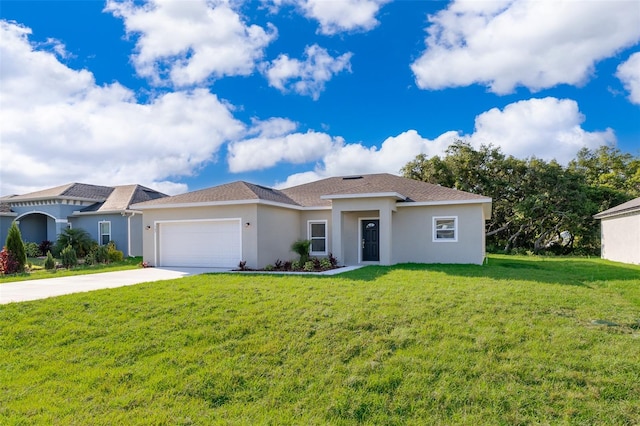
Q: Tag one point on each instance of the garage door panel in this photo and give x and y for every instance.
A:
(200, 243)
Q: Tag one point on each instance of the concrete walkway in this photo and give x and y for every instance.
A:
(22, 291)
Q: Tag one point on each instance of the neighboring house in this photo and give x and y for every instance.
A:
(620, 232)
(379, 219)
(103, 211)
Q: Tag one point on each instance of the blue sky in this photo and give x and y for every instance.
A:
(182, 95)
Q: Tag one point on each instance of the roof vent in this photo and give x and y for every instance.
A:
(351, 177)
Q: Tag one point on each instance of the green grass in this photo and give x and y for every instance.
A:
(518, 341)
(39, 272)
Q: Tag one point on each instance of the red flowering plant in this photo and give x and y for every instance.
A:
(8, 263)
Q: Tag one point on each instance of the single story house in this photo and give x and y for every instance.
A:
(620, 232)
(369, 219)
(103, 211)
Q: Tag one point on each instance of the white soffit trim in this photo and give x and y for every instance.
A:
(228, 203)
(366, 195)
(443, 203)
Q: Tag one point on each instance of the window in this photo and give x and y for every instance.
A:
(318, 236)
(104, 232)
(445, 229)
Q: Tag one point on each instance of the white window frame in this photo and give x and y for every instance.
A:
(310, 238)
(100, 234)
(455, 229)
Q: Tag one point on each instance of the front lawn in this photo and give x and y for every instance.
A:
(518, 341)
(38, 272)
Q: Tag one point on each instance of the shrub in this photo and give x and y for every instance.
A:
(296, 265)
(269, 268)
(68, 257)
(278, 264)
(325, 264)
(100, 254)
(44, 247)
(309, 266)
(333, 260)
(78, 239)
(49, 263)
(287, 265)
(90, 259)
(113, 254)
(242, 265)
(8, 264)
(15, 246)
(32, 249)
(301, 247)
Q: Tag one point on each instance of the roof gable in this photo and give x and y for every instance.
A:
(124, 196)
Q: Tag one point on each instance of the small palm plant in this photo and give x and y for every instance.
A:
(301, 247)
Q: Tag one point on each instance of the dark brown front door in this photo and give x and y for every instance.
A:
(370, 240)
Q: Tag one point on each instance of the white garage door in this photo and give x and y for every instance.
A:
(200, 243)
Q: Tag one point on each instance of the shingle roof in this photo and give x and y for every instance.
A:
(71, 190)
(234, 191)
(5, 209)
(309, 194)
(415, 191)
(628, 207)
(123, 196)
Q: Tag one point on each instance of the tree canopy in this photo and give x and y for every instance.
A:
(538, 206)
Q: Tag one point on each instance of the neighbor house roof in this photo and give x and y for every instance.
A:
(319, 193)
(103, 198)
(122, 197)
(628, 207)
(76, 191)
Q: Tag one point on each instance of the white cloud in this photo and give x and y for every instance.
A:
(510, 43)
(191, 41)
(395, 152)
(629, 73)
(276, 142)
(547, 128)
(308, 77)
(335, 16)
(60, 127)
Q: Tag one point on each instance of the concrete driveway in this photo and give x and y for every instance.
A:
(23, 291)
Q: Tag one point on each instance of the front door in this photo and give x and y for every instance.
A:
(370, 240)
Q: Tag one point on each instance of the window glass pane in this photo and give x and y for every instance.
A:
(104, 239)
(104, 228)
(445, 229)
(317, 230)
(318, 245)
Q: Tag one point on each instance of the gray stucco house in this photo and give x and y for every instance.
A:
(103, 211)
(620, 232)
(369, 219)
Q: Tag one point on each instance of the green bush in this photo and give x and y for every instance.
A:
(68, 257)
(15, 246)
(325, 264)
(32, 249)
(78, 238)
(90, 259)
(295, 265)
(49, 263)
(309, 266)
(113, 254)
(269, 268)
(101, 254)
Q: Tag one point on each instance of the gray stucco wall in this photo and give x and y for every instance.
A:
(277, 229)
(413, 235)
